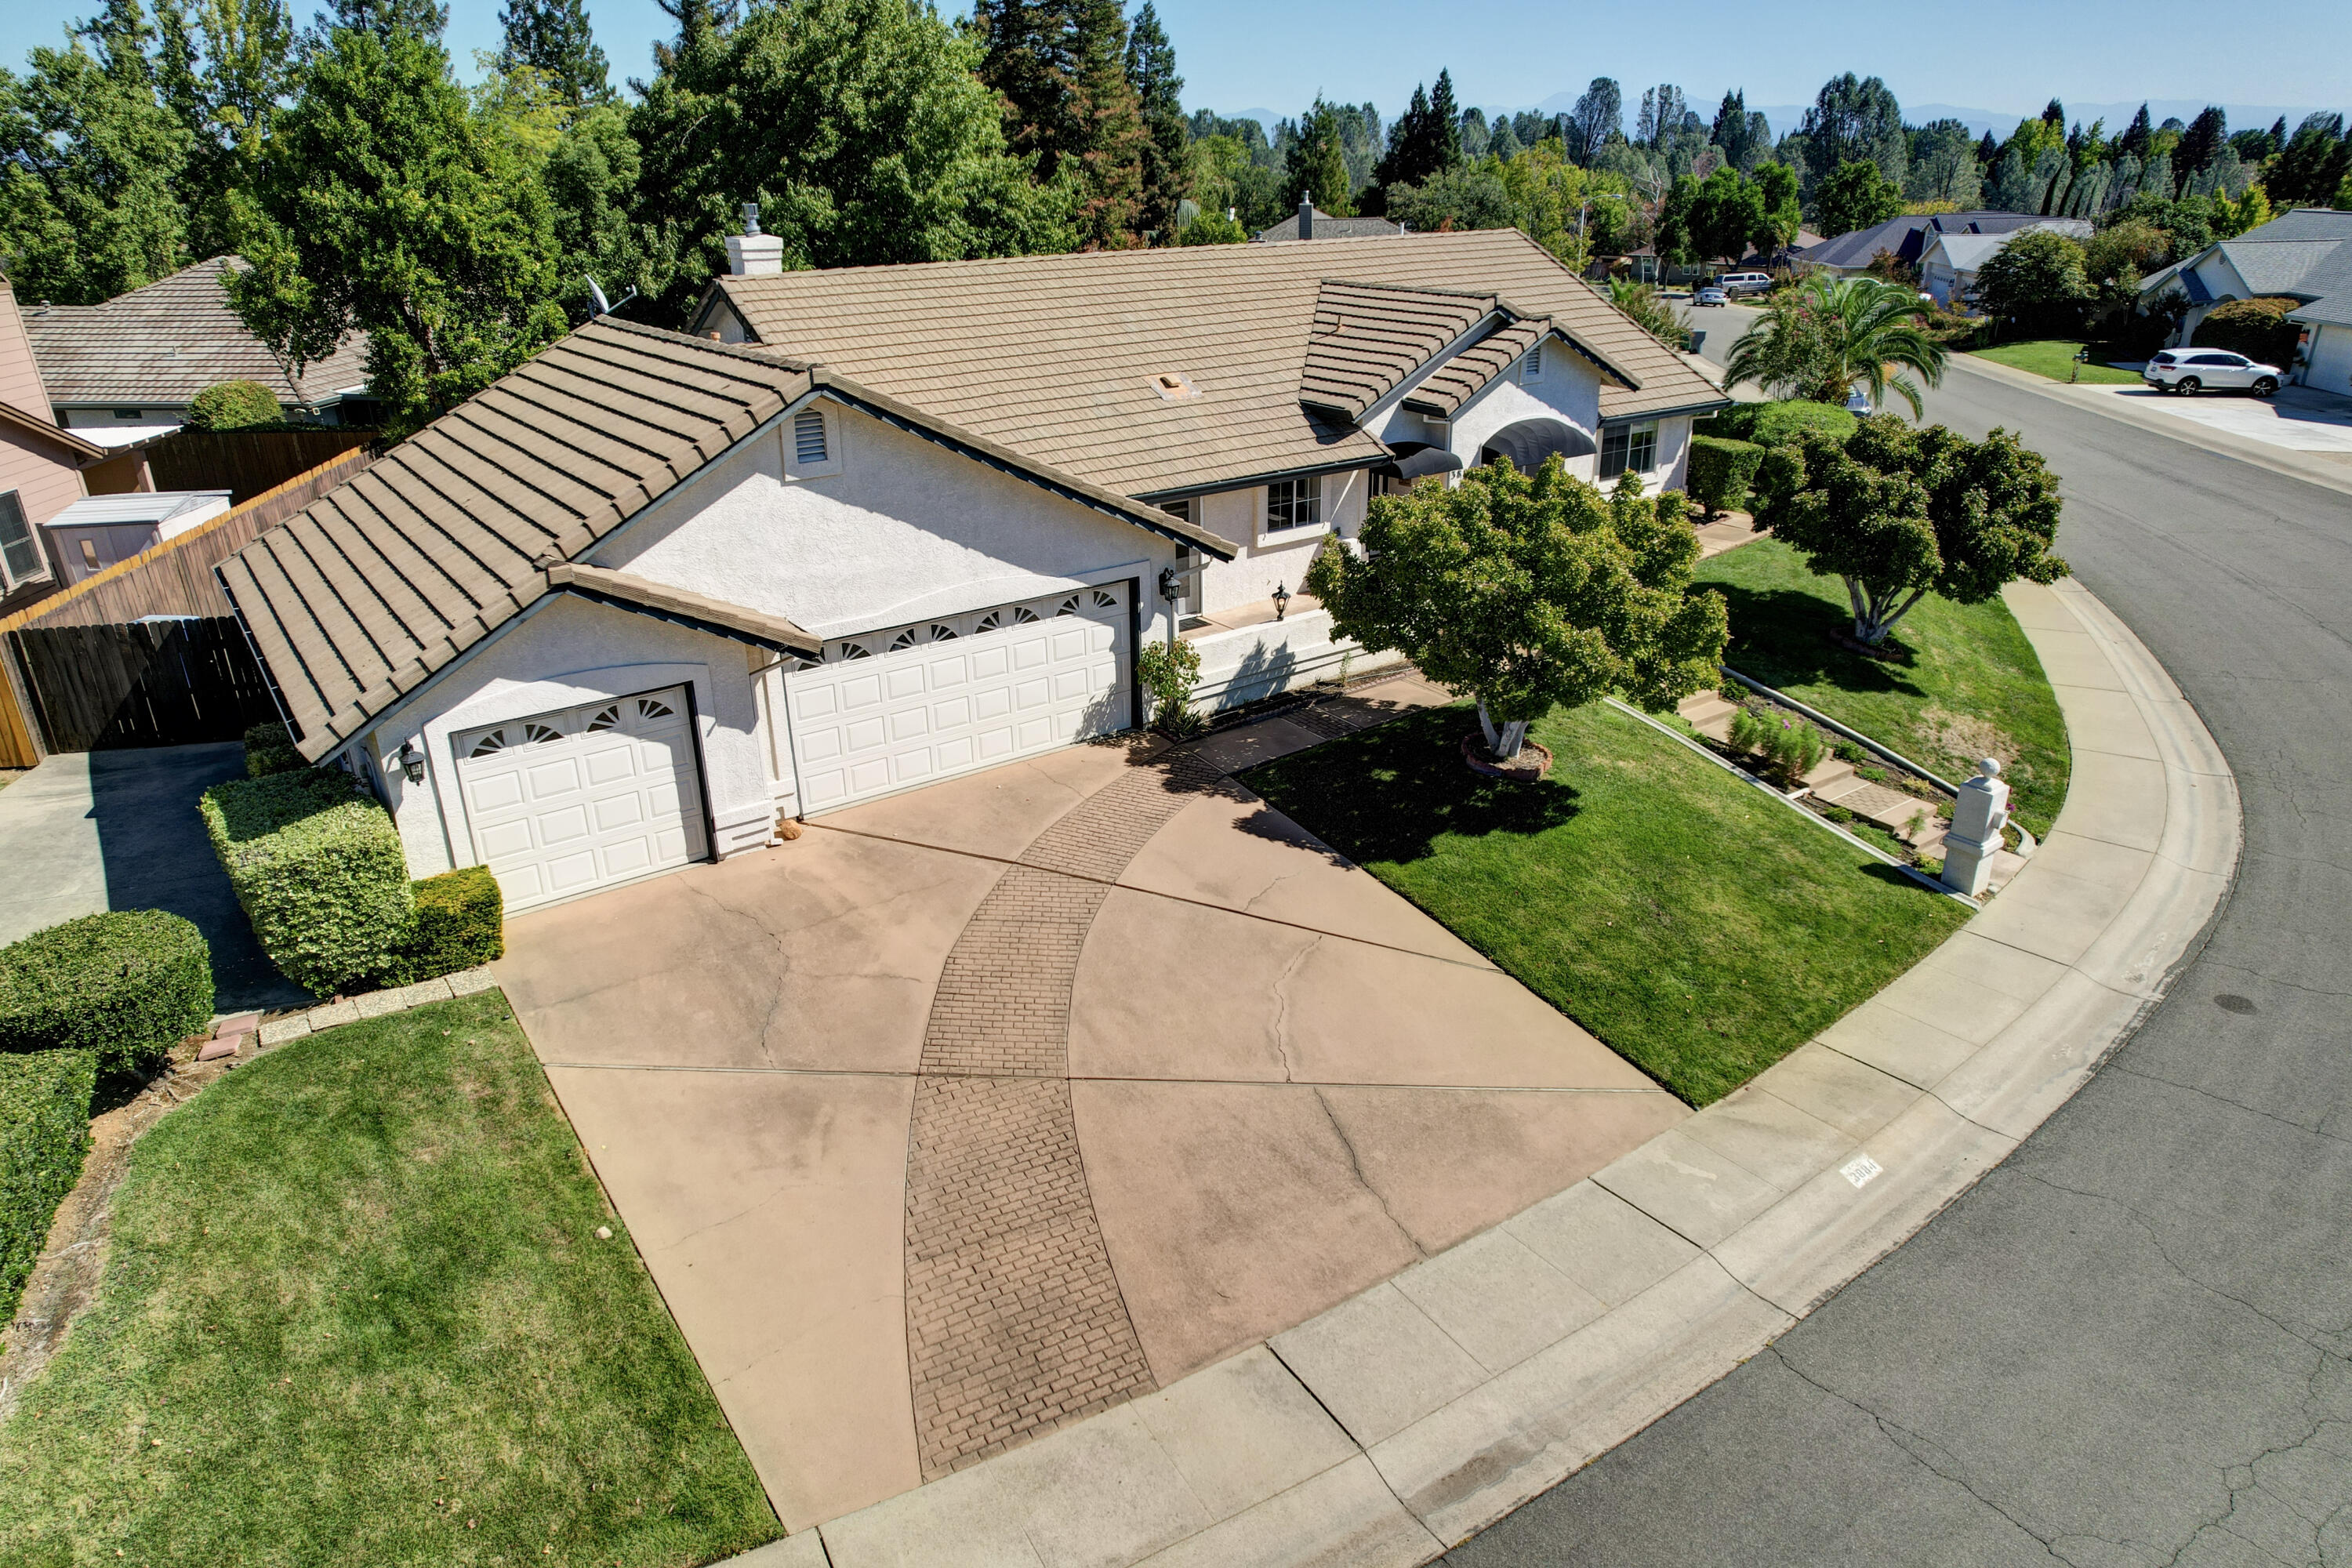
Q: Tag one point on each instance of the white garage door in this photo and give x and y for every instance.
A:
(910, 704)
(585, 797)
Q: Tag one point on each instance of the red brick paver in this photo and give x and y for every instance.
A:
(1014, 1321)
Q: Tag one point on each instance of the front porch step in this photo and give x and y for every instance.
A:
(1830, 778)
(1709, 713)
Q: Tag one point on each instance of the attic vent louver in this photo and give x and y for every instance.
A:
(808, 436)
(1173, 386)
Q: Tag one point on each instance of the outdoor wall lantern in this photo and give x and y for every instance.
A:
(412, 762)
(1281, 601)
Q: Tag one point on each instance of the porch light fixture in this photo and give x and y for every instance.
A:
(412, 762)
(1281, 601)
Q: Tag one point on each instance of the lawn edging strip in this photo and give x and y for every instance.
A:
(1404, 1420)
(1826, 722)
(376, 1004)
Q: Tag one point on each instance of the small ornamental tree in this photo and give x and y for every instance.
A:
(1530, 593)
(1898, 513)
(2038, 280)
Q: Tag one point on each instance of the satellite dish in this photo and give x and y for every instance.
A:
(603, 307)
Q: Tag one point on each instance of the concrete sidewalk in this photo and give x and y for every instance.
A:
(1406, 1418)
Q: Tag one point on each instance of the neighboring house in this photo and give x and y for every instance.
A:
(1949, 263)
(44, 470)
(94, 534)
(126, 370)
(652, 590)
(1779, 257)
(2305, 254)
(1908, 238)
(1311, 223)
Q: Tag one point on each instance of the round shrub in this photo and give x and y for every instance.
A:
(233, 405)
(269, 749)
(459, 924)
(125, 987)
(2257, 329)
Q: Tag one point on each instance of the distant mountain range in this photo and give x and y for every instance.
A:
(1787, 117)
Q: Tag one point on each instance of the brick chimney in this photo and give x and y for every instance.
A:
(751, 254)
(1307, 215)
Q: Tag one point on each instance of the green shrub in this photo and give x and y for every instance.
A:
(124, 987)
(2256, 328)
(269, 748)
(1780, 424)
(43, 1128)
(317, 868)
(1167, 672)
(233, 405)
(1720, 472)
(460, 923)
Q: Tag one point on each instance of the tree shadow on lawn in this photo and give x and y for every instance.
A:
(1785, 636)
(1389, 793)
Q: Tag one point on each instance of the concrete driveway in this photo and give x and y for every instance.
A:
(91, 831)
(981, 1107)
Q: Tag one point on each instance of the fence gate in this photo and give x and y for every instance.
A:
(150, 683)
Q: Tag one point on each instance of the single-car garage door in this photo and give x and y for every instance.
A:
(908, 705)
(581, 798)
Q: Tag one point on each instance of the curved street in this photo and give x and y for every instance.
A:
(2127, 1345)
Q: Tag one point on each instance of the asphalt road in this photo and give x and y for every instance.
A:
(2127, 1345)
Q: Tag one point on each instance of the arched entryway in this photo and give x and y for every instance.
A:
(1526, 444)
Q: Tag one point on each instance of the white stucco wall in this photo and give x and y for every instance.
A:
(1239, 666)
(1569, 391)
(904, 528)
(2329, 367)
(567, 653)
(1268, 559)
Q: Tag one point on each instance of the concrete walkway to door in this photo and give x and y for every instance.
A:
(981, 1107)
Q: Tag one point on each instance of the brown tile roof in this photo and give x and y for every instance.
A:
(1057, 355)
(643, 594)
(368, 592)
(1368, 337)
(1329, 228)
(166, 343)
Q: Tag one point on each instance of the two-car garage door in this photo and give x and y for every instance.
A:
(913, 704)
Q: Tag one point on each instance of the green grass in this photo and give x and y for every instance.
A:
(2053, 359)
(355, 1313)
(1699, 928)
(1964, 661)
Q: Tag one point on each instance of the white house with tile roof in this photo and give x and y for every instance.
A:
(2304, 255)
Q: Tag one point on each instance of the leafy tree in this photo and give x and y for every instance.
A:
(592, 177)
(1663, 109)
(698, 22)
(426, 18)
(2187, 226)
(91, 163)
(2037, 281)
(2119, 256)
(381, 205)
(1159, 93)
(1776, 183)
(1599, 114)
(1854, 121)
(1569, 211)
(1856, 197)
(2199, 145)
(1898, 513)
(1818, 341)
(1530, 592)
(1318, 164)
(1943, 165)
(860, 128)
(1648, 309)
(1111, 140)
(1212, 228)
(1745, 137)
(554, 38)
(222, 71)
(2313, 162)
(1226, 174)
(1470, 197)
(1729, 215)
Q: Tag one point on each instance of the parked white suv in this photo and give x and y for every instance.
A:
(2191, 371)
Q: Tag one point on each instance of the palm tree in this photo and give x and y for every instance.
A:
(1818, 340)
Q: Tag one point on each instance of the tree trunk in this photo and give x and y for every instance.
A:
(1506, 741)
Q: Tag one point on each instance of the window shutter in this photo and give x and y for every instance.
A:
(808, 437)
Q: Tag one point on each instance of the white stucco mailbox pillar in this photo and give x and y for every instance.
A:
(1978, 817)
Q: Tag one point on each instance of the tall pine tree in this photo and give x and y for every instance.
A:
(1316, 166)
(1060, 68)
(554, 38)
(1159, 95)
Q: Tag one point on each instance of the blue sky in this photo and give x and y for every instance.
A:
(2007, 57)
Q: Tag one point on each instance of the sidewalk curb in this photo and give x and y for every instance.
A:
(1408, 1418)
(2287, 461)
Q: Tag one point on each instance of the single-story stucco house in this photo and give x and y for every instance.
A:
(2304, 255)
(865, 529)
(1949, 262)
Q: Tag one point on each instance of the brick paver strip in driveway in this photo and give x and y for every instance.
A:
(1014, 1321)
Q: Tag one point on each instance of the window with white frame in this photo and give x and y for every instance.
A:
(811, 444)
(1628, 448)
(20, 553)
(1294, 503)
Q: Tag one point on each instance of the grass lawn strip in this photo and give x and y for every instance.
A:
(356, 1312)
(2052, 359)
(1700, 931)
(1969, 665)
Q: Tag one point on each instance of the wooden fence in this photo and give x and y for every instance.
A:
(174, 578)
(159, 683)
(245, 463)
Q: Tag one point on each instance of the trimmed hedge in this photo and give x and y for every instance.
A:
(233, 405)
(2256, 328)
(125, 987)
(1780, 424)
(269, 749)
(44, 1130)
(460, 923)
(1721, 470)
(317, 868)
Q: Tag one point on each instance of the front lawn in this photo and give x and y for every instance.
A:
(1969, 685)
(2053, 359)
(356, 1312)
(1702, 930)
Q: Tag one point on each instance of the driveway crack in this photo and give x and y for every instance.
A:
(1356, 1166)
(1281, 1024)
